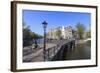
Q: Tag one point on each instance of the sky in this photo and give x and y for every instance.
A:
(34, 19)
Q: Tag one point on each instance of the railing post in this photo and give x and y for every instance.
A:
(48, 54)
(54, 50)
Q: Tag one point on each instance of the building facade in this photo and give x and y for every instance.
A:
(54, 33)
(62, 32)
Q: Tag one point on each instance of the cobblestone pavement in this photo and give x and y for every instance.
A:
(35, 55)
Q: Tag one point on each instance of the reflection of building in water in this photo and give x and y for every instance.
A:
(62, 32)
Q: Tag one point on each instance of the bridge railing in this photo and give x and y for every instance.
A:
(52, 51)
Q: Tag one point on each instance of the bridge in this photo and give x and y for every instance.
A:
(55, 50)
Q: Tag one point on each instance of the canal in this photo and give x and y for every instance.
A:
(81, 51)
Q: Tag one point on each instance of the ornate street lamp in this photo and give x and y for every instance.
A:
(44, 27)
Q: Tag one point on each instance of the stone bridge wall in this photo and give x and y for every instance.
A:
(64, 49)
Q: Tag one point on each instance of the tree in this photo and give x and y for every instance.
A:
(35, 36)
(26, 32)
(58, 33)
(88, 34)
(26, 35)
(80, 29)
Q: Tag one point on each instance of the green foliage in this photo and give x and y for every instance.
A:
(58, 33)
(88, 33)
(80, 29)
(27, 33)
(35, 36)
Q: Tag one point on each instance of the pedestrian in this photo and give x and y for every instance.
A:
(36, 45)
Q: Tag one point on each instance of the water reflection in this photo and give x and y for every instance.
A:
(81, 51)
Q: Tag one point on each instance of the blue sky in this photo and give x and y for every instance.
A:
(34, 19)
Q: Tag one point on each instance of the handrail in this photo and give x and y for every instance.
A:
(52, 51)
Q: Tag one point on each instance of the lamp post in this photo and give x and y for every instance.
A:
(44, 27)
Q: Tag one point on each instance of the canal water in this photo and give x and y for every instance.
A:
(81, 51)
